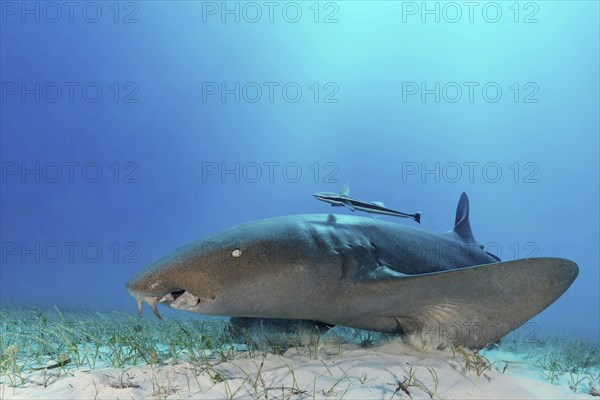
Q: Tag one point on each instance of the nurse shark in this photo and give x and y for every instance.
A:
(357, 272)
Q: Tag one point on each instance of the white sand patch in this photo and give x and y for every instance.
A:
(388, 371)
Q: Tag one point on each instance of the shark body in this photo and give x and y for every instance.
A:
(357, 272)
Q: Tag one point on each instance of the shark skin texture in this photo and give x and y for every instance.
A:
(357, 272)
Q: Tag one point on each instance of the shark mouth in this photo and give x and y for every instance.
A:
(179, 299)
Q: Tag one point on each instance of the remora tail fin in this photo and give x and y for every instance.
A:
(418, 217)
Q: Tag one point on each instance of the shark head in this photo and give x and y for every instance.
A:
(208, 276)
(335, 199)
(158, 283)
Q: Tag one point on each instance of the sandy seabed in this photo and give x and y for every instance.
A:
(346, 372)
(53, 354)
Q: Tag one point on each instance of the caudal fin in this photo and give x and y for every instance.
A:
(417, 217)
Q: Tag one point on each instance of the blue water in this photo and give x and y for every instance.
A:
(385, 105)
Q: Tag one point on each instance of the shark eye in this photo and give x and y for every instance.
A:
(236, 253)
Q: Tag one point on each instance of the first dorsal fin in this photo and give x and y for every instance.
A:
(462, 227)
(346, 190)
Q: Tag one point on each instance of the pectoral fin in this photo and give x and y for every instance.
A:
(348, 205)
(473, 306)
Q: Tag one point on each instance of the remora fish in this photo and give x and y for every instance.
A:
(373, 207)
(357, 272)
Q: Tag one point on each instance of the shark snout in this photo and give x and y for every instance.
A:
(146, 290)
(141, 297)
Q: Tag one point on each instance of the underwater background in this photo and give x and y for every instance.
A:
(131, 128)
